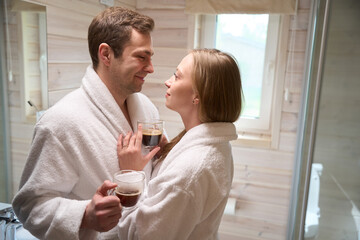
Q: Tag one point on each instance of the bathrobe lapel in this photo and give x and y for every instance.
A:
(104, 101)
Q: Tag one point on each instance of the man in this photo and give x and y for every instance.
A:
(74, 145)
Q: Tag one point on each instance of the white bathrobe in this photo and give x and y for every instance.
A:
(72, 153)
(188, 191)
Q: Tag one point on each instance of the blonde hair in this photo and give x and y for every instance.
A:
(217, 82)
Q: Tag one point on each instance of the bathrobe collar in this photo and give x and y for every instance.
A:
(97, 91)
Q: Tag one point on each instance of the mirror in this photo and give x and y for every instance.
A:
(32, 55)
(23, 50)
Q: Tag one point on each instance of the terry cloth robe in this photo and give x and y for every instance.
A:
(73, 151)
(187, 196)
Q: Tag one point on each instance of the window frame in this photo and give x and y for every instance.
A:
(264, 131)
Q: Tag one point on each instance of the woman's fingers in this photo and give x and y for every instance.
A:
(151, 154)
(139, 136)
(127, 140)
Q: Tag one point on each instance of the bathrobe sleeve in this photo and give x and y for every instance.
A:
(170, 214)
(40, 203)
(178, 199)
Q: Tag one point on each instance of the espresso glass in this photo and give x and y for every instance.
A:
(152, 132)
(130, 185)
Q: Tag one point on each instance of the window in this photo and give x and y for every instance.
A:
(253, 39)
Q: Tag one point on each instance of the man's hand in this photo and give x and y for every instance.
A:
(103, 212)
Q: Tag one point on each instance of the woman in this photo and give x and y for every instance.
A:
(190, 184)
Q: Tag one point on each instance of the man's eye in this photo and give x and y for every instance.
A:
(141, 58)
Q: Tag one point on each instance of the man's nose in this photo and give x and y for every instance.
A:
(149, 68)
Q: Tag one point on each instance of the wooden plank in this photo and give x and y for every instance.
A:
(263, 158)
(160, 4)
(269, 212)
(21, 130)
(154, 90)
(297, 40)
(289, 122)
(55, 96)
(168, 57)
(260, 192)
(14, 98)
(161, 74)
(81, 7)
(170, 38)
(295, 62)
(15, 114)
(238, 227)
(67, 50)
(21, 145)
(65, 76)
(292, 105)
(294, 82)
(265, 177)
(75, 25)
(167, 18)
(300, 21)
(287, 141)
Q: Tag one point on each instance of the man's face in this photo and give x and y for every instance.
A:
(129, 71)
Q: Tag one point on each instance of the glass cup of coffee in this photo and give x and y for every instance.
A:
(130, 185)
(152, 131)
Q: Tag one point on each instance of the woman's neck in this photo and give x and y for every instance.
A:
(190, 121)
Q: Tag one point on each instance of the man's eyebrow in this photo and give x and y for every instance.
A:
(150, 53)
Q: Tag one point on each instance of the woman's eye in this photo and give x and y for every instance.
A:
(176, 77)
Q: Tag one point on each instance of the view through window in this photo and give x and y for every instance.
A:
(247, 43)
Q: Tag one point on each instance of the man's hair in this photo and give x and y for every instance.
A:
(113, 26)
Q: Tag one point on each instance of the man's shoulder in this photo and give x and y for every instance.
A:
(70, 104)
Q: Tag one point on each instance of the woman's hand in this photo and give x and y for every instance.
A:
(162, 143)
(129, 151)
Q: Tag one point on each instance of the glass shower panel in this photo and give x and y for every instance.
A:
(333, 208)
(4, 124)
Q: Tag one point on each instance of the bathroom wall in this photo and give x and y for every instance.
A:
(262, 177)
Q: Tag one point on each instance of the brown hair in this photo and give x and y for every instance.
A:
(216, 80)
(113, 26)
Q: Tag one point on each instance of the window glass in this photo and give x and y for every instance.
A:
(244, 36)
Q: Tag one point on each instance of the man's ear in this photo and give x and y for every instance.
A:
(104, 53)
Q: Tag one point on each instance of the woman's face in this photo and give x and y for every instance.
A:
(180, 92)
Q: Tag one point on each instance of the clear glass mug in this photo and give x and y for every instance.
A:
(130, 185)
(152, 132)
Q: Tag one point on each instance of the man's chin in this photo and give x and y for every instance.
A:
(138, 89)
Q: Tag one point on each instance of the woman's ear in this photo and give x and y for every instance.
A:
(104, 53)
(195, 100)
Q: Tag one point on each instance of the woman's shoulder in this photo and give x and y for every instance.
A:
(200, 162)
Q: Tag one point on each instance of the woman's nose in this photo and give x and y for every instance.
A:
(168, 82)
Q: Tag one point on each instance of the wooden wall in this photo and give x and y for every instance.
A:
(262, 178)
